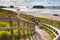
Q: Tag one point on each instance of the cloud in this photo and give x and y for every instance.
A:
(30, 2)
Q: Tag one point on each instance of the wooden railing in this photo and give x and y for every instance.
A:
(30, 28)
(53, 29)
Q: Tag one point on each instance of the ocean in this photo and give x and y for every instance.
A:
(47, 9)
(52, 7)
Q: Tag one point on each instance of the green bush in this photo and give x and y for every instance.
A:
(44, 20)
(4, 36)
(2, 25)
(48, 31)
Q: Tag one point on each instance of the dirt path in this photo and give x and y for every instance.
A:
(44, 35)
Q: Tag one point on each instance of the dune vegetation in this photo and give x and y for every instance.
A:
(44, 20)
(6, 34)
(7, 13)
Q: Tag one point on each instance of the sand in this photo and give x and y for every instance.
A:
(44, 15)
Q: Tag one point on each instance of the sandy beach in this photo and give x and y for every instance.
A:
(44, 15)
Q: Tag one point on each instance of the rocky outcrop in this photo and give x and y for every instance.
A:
(2, 7)
(38, 6)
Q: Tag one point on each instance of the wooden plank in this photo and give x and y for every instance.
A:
(15, 28)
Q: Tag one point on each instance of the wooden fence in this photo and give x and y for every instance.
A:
(28, 28)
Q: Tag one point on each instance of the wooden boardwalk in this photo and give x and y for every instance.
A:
(35, 32)
(31, 27)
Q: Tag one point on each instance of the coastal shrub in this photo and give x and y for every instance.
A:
(48, 31)
(1, 25)
(51, 22)
(4, 36)
(43, 20)
(6, 13)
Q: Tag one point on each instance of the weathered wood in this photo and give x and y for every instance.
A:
(24, 30)
(9, 28)
(13, 19)
(18, 30)
(10, 19)
(33, 30)
(18, 27)
(11, 24)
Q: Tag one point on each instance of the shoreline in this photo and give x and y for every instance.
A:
(44, 15)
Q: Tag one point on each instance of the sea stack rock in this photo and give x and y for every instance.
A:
(38, 6)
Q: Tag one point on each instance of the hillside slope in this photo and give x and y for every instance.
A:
(6, 13)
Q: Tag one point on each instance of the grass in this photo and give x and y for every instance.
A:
(5, 34)
(51, 22)
(44, 20)
(6, 13)
(48, 31)
(23, 33)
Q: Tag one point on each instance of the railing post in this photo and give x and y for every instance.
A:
(18, 30)
(18, 27)
(32, 31)
(24, 30)
(28, 31)
(11, 24)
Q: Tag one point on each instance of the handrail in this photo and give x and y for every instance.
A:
(47, 25)
(25, 21)
(32, 26)
(10, 19)
(9, 28)
(51, 30)
(13, 19)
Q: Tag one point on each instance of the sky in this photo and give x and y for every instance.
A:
(44, 2)
(41, 0)
(32, 2)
